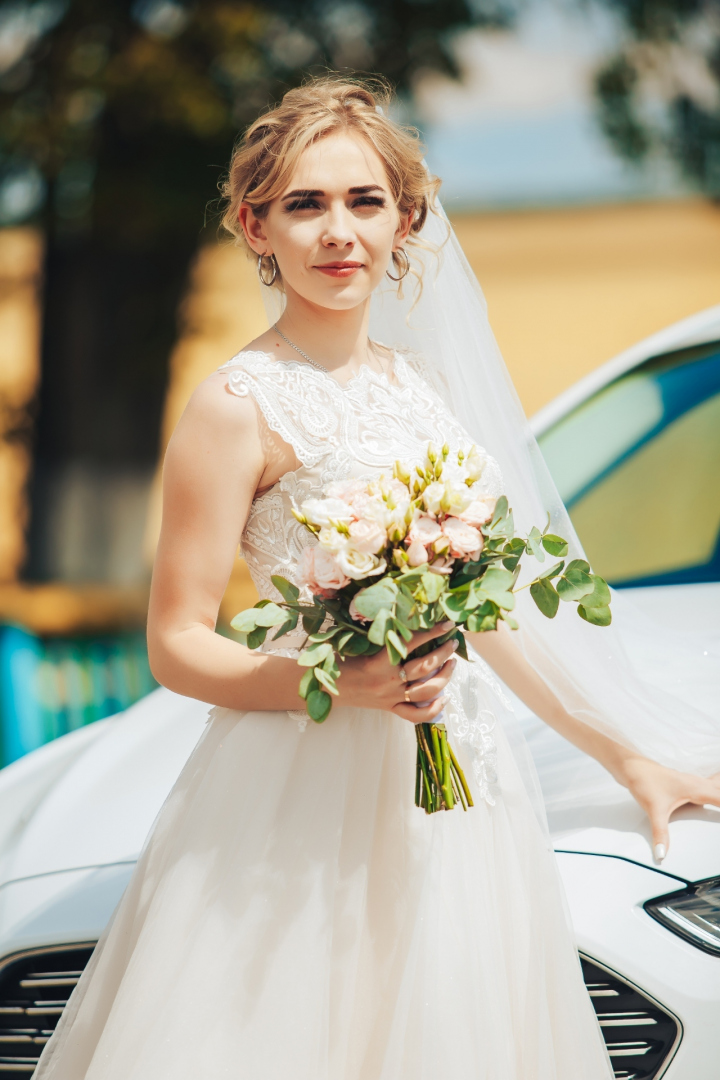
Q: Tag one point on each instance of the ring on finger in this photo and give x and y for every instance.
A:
(403, 674)
(407, 696)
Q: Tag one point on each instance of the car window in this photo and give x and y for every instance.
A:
(638, 466)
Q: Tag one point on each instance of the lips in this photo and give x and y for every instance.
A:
(339, 269)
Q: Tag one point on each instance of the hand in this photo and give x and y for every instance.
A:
(372, 682)
(660, 791)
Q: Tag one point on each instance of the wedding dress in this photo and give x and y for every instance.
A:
(292, 913)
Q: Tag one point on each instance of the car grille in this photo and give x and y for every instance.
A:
(34, 988)
(641, 1035)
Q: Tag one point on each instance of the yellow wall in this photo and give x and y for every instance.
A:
(568, 289)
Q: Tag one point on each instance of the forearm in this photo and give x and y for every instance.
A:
(199, 663)
(506, 659)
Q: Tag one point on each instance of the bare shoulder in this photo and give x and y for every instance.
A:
(217, 422)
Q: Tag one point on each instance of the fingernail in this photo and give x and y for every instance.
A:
(660, 852)
(455, 644)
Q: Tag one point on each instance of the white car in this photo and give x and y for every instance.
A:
(75, 813)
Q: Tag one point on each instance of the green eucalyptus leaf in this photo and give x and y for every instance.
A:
(404, 631)
(555, 545)
(312, 623)
(501, 510)
(396, 641)
(600, 595)
(308, 683)
(315, 654)
(512, 623)
(245, 621)
(598, 616)
(271, 615)
(356, 646)
(256, 637)
(379, 627)
(326, 680)
(343, 639)
(376, 597)
(433, 584)
(287, 626)
(574, 584)
(462, 644)
(534, 544)
(552, 571)
(395, 656)
(545, 597)
(319, 704)
(287, 590)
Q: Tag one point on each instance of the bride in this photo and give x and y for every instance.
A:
(292, 913)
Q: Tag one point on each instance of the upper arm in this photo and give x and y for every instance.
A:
(213, 466)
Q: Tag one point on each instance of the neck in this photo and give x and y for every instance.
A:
(332, 338)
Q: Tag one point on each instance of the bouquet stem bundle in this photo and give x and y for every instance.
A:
(439, 781)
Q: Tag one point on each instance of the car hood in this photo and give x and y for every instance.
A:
(90, 798)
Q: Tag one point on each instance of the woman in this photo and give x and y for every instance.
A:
(292, 913)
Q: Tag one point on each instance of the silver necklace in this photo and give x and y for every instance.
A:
(297, 349)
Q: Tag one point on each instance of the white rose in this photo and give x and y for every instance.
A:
(331, 539)
(425, 529)
(368, 536)
(359, 564)
(456, 498)
(432, 496)
(369, 507)
(325, 511)
(417, 553)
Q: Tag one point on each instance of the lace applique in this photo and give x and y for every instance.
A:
(473, 727)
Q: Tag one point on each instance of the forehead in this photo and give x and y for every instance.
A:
(338, 162)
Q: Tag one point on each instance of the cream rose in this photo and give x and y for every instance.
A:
(358, 564)
(479, 512)
(433, 496)
(423, 528)
(456, 498)
(417, 553)
(368, 536)
(326, 511)
(465, 541)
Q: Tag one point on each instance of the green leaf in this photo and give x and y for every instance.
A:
(433, 584)
(319, 704)
(374, 599)
(326, 680)
(575, 582)
(599, 616)
(403, 630)
(256, 637)
(343, 639)
(397, 643)
(496, 585)
(512, 623)
(308, 683)
(395, 657)
(288, 625)
(271, 615)
(552, 571)
(245, 621)
(315, 654)
(312, 623)
(555, 545)
(545, 597)
(287, 590)
(482, 623)
(534, 544)
(501, 510)
(356, 646)
(600, 595)
(379, 627)
(462, 644)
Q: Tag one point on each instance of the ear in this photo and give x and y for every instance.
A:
(254, 230)
(403, 229)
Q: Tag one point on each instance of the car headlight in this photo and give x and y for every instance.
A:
(692, 913)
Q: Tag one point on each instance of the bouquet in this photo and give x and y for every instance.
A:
(403, 553)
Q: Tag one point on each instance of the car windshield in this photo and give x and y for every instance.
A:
(638, 466)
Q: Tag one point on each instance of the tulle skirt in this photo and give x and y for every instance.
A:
(292, 914)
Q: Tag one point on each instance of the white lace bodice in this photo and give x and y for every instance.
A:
(339, 432)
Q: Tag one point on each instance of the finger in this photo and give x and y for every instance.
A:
(430, 688)
(427, 665)
(420, 714)
(660, 833)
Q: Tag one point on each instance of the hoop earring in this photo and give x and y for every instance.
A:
(406, 271)
(273, 263)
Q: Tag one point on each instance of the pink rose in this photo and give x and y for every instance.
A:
(320, 572)
(465, 541)
(398, 490)
(479, 512)
(417, 553)
(425, 529)
(368, 536)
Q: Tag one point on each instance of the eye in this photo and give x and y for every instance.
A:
(302, 204)
(370, 200)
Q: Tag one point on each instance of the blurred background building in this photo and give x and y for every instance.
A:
(579, 145)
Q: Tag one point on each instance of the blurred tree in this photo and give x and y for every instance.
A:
(124, 114)
(661, 88)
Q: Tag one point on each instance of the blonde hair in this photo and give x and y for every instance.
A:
(271, 146)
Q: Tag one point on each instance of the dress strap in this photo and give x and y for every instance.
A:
(298, 403)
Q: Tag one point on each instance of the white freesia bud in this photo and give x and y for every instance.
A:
(432, 453)
(402, 473)
(475, 464)
(445, 451)
(432, 497)
(399, 558)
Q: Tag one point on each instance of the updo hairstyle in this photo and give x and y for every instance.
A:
(267, 153)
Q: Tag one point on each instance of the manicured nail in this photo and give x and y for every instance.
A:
(660, 852)
(455, 644)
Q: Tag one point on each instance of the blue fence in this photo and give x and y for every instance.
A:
(49, 686)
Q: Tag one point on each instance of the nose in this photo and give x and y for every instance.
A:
(339, 227)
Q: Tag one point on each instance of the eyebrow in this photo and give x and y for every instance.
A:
(305, 193)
